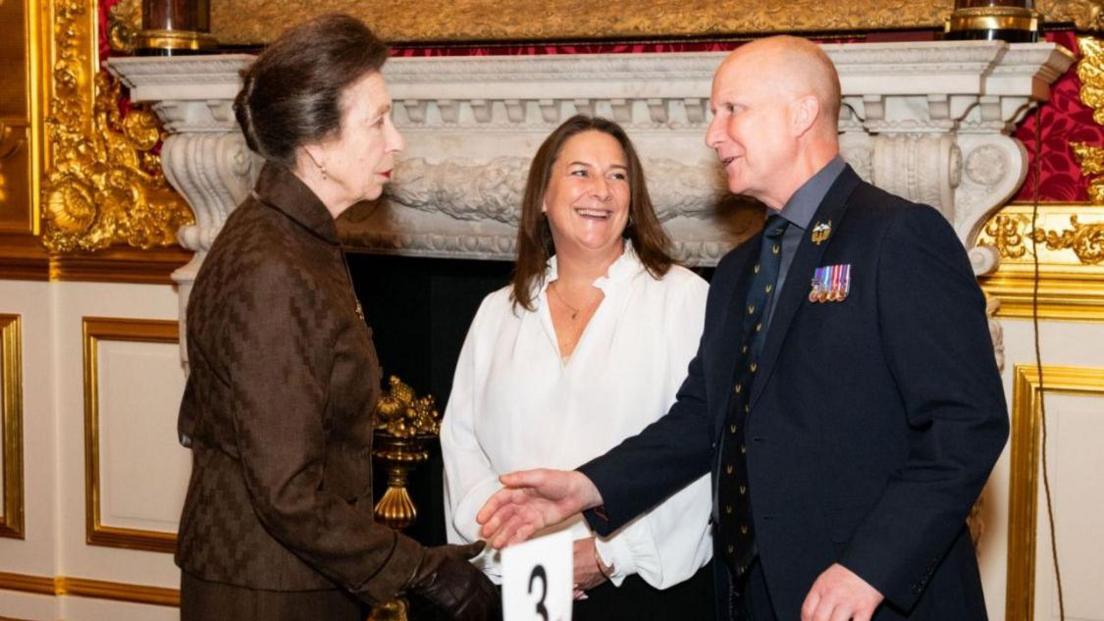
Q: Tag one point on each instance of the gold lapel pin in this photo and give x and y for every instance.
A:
(821, 232)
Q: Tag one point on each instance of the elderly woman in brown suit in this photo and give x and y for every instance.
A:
(278, 407)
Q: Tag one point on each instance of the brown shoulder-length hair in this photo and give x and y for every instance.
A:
(534, 242)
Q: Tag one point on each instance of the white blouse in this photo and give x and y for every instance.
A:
(515, 405)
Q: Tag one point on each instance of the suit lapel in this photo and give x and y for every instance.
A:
(797, 278)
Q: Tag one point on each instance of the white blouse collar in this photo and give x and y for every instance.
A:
(621, 270)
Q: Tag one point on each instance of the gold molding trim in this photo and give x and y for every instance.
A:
(103, 181)
(1071, 260)
(86, 587)
(26, 583)
(11, 426)
(96, 329)
(26, 259)
(1027, 396)
(120, 264)
(245, 22)
(119, 591)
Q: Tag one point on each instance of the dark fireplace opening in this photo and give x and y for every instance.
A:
(419, 310)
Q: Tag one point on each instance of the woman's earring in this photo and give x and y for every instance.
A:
(321, 167)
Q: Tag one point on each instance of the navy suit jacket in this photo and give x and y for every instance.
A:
(874, 421)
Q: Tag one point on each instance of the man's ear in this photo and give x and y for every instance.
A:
(804, 112)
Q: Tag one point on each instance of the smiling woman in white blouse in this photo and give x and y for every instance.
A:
(586, 347)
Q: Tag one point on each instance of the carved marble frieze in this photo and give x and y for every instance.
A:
(926, 120)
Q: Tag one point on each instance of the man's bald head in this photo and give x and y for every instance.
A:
(775, 106)
(792, 65)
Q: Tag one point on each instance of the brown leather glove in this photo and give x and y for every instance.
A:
(446, 578)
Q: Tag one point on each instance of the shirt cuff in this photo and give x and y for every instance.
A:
(615, 553)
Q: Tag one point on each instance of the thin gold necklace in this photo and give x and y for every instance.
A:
(556, 292)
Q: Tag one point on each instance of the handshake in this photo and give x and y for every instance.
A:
(532, 500)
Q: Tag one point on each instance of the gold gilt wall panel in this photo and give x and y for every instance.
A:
(1069, 239)
(259, 21)
(17, 215)
(97, 330)
(103, 184)
(82, 195)
(11, 428)
(1027, 396)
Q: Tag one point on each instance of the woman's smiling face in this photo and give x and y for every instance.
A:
(587, 198)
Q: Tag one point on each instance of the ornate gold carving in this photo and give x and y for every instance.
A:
(1086, 240)
(403, 414)
(1027, 396)
(11, 427)
(260, 21)
(104, 184)
(98, 329)
(124, 22)
(1090, 70)
(1071, 268)
(1005, 232)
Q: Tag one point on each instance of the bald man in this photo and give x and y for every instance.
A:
(844, 395)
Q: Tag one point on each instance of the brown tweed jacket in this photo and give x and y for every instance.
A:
(278, 409)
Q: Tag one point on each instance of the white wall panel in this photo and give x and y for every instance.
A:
(73, 303)
(1077, 488)
(1076, 344)
(143, 469)
(89, 609)
(37, 553)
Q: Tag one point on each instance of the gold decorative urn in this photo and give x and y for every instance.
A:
(406, 424)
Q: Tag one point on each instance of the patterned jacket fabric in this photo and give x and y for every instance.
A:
(278, 409)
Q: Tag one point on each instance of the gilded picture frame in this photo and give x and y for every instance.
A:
(96, 330)
(11, 426)
(1023, 505)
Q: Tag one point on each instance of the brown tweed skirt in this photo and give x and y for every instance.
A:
(201, 600)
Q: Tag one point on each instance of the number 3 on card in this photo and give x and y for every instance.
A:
(536, 579)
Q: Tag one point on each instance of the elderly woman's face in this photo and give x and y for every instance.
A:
(360, 159)
(587, 198)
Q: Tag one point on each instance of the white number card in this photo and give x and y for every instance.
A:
(536, 579)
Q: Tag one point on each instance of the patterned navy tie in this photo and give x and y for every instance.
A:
(734, 508)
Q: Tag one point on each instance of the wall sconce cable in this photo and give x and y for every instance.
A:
(1039, 365)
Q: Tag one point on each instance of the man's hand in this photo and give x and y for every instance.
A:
(586, 571)
(840, 595)
(532, 500)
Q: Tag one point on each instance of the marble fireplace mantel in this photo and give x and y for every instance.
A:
(929, 121)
